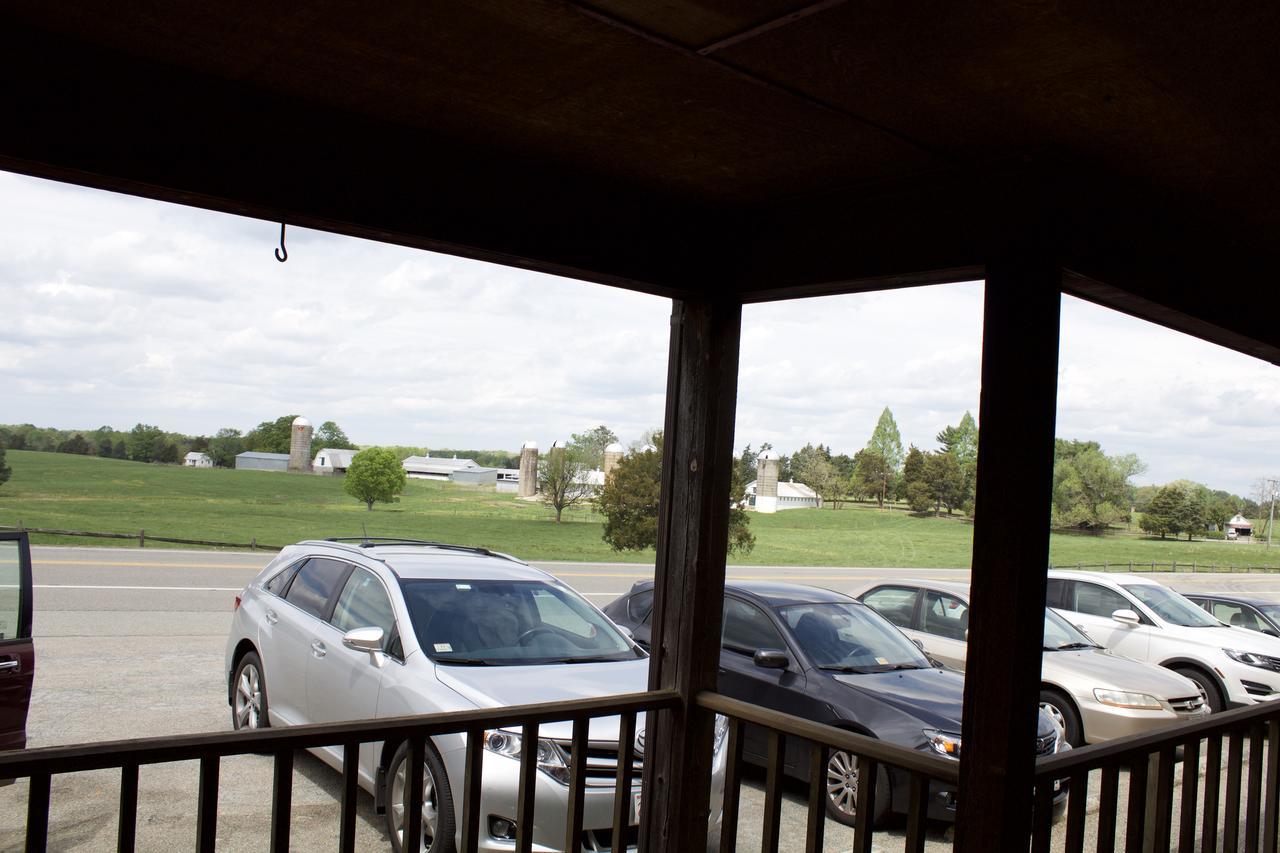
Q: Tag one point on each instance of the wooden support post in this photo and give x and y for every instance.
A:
(693, 518)
(1010, 550)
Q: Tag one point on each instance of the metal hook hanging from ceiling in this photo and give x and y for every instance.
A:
(282, 254)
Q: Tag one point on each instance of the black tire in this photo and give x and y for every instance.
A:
(249, 694)
(1063, 710)
(437, 800)
(841, 792)
(1208, 687)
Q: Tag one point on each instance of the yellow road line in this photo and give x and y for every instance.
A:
(39, 562)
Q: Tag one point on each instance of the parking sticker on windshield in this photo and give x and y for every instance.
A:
(462, 586)
(882, 661)
(443, 647)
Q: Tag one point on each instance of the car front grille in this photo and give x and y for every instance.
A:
(594, 840)
(1272, 663)
(1047, 744)
(602, 762)
(1189, 705)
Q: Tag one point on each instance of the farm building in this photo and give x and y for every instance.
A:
(333, 461)
(252, 460)
(1241, 525)
(434, 467)
(196, 459)
(508, 480)
(476, 476)
(790, 495)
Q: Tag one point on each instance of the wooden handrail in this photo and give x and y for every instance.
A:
(108, 754)
(939, 768)
(1140, 746)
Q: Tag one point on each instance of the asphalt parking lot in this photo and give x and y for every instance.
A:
(130, 644)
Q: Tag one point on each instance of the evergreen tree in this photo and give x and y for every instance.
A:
(1165, 512)
(5, 471)
(887, 441)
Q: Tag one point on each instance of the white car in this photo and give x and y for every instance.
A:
(352, 630)
(1144, 620)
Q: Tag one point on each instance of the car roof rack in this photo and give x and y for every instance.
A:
(375, 541)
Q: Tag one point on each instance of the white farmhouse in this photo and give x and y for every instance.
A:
(196, 459)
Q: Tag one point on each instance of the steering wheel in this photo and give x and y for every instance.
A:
(534, 632)
(856, 651)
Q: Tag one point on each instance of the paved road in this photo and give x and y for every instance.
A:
(130, 644)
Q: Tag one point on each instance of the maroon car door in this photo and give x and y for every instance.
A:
(17, 655)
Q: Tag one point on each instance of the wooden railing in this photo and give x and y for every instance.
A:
(924, 770)
(1217, 809)
(39, 765)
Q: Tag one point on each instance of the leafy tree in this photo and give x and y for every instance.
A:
(106, 448)
(164, 451)
(76, 444)
(1192, 518)
(591, 445)
(629, 504)
(820, 475)
(562, 478)
(375, 475)
(944, 479)
(1164, 512)
(873, 474)
(1090, 489)
(745, 467)
(330, 435)
(141, 442)
(225, 446)
(5, 471)
(271, 436)
(16, 440)
(887, 441)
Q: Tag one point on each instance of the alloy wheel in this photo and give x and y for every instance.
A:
(1054, 713)
(249, 698)
(842, 782)
(430, 807)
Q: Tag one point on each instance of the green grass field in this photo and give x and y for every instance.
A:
(66, 492)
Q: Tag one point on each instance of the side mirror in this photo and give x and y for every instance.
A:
(1126, 616)
(365, 640)
(771, 659)
(627, 632)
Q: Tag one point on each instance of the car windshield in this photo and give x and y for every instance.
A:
(1271, 611)
(509, 623)
(1172, 607)
(850, 637)
(1061, 635)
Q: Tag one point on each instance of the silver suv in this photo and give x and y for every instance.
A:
(333, 631)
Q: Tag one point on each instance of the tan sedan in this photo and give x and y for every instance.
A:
(1094, 694)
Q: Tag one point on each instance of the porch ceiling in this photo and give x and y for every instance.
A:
(773, 147)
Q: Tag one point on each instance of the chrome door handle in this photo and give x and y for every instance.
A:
(272, 617)
(8, 664)
(317, 648)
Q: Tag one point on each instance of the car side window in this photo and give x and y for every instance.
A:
(747, 628)
(314, 585)
(640, 605)
(364, 604)
(1096, 600)
(895, 603)
(945, 616)
(12, 592)
(1056, 595)
(1236, 615)
(279, 581)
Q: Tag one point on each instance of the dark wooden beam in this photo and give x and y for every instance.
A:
(1010, 548)
(697, 458)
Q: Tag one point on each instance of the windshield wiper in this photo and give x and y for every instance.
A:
(594, 659)
(465, 662)
(1068, 646)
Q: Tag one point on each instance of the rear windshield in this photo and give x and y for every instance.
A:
(505, 623)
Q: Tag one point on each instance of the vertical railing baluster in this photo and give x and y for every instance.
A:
(207, 806)
(1162, 831)
(1271, 819)
(528, 787)
(1108, 805)
(1212, 781)
(1077, 802)
(622, 781)
(773, 792)
(1231, 816)
(1190, 787)
(733, 788)
(1042, 816)
(1253, 801)
(38, 812)
(350, 785)
(282, 800)
(917, 813)
(127, 828)
(412, 841)
(471, 790)
(815, 831)
(1136, 818)
(863, 831)
(577, 783)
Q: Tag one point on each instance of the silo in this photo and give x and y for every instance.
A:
(528, 470)
(612, 456)
(767, 481)
(300, 446)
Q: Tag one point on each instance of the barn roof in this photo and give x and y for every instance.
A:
(766, 148)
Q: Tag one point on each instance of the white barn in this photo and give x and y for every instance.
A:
(333, 460)
(791, 495)
(196, 459)
(434, 467)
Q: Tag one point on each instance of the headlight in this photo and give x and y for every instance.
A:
(1123, 699)
(722, 732)
(1246, 658)
(943, 743)
(550, 757)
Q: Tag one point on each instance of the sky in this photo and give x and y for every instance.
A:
(118, 310)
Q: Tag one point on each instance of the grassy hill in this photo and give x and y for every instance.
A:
(62, 491)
